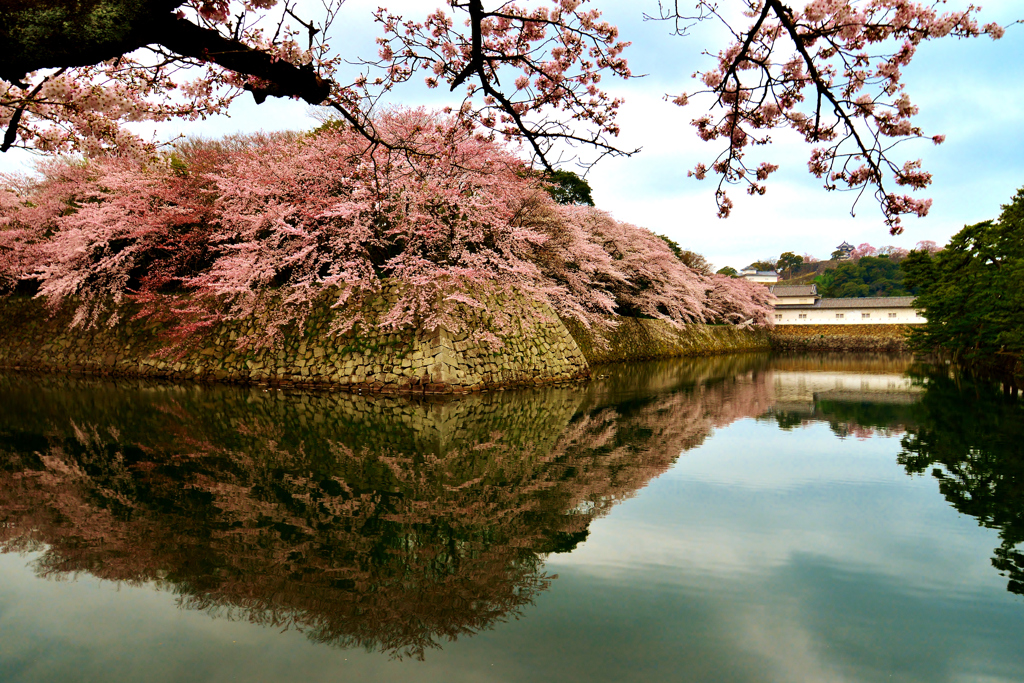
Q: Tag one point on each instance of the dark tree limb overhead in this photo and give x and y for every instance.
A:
(41, 34)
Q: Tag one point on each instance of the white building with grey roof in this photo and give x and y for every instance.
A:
(801, 305)
(765, 277)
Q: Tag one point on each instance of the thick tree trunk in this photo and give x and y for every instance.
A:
(40, 34)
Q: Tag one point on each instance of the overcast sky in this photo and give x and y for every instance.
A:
(968, 90)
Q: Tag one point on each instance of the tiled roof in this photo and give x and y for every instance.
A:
(863, 302)
(869, 302)
(794, 290)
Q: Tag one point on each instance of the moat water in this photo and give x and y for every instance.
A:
(743, 518)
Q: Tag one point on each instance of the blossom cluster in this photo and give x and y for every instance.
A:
(85, 109)
(554, 55)
(246, 223)
(833, 73)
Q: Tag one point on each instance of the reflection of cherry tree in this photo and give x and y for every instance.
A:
(382, 523)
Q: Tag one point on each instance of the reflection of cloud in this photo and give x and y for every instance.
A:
(742, 506)
(756, 555)
(787, 648)
(382, 522)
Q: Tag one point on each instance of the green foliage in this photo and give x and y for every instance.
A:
(788, 261)
(696, 261)
(970, 437)
(767, 264)
(329, 125)
(973, 291)
(178, 165)
(729, 270)
(673, 245)
(565, 187)
(691, 258)
(868, 276)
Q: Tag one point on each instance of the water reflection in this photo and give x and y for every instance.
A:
(857, 395)
(379, 522)
(970, 437)
(396, 525)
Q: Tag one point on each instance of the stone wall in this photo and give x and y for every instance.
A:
(646, 339)
(839, 337)
(540, 351)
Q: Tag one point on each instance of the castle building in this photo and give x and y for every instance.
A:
(801, 305)
(847, 249)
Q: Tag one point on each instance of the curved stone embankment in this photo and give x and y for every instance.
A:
(839, 338)
(646, 339)
(541, 350)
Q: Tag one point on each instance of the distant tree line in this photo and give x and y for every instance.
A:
(869, 270)
(867, 276)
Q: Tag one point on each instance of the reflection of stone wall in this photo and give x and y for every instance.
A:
(539, 351)
(647, 339)
(839, 337)
(855, 363)
(386, 522)
(381, 522)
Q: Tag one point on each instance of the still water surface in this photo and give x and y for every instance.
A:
(742, 518)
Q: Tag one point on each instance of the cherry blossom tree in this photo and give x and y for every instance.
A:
(832, 72)
(863, 250)
(893, 253)
(74, 75)
(272, 224)
(738, 301)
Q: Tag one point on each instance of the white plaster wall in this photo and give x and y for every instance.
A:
(802, 386)
(851, 316)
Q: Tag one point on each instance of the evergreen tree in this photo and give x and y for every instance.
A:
(565, 187)
(788, 261)
(972, 291)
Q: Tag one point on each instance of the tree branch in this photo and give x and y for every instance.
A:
(74, 33)
(283, 79)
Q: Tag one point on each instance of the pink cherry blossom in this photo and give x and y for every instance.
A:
(273, 224)
(832, 72)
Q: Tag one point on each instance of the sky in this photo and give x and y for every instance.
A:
(966, 90)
